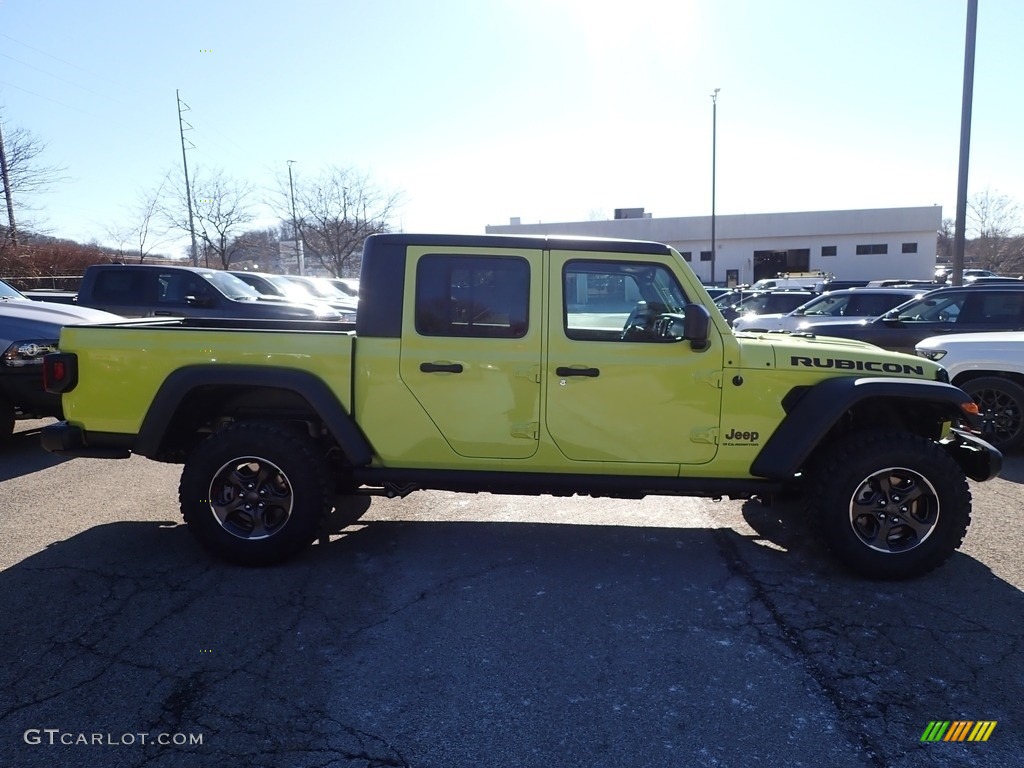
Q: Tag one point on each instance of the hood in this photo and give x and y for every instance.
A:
(830, 356)
(44, 319)
(991, 339)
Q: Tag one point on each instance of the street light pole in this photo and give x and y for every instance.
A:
(714, 138)
(295, 220)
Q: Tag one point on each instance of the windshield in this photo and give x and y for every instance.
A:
(323, 289)
(231, 286)
(824, 305)
(6, 292)
(292, 290)
(929, 310)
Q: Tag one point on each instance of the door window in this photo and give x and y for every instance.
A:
(618, 301)
(471, 296)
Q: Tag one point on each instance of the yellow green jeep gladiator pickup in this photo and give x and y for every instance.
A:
(528, 365)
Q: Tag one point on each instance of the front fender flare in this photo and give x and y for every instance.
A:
(809, 419)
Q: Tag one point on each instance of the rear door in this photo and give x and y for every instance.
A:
(471, 347)
(615, 392)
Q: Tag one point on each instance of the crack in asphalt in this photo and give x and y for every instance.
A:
(737, 566)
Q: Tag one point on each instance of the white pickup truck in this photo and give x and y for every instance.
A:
(990, 368)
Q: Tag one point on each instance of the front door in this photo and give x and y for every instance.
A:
(615, 391)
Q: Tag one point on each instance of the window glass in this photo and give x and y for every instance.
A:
(115, 286)
(604, 298)
(832, 306)
(174, 287)
(939, 309)
(472, 296)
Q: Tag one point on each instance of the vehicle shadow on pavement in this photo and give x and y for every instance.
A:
(22, 454)
(1013, 468)
(500, 644)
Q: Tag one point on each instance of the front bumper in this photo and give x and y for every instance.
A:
(980, 460)
(66, 439)
(23, 388)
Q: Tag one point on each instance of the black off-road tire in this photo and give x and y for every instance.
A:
(1001, 403)
(255, 493)
(889, 504)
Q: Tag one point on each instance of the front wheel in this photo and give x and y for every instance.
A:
(889, 504)
(255, 493)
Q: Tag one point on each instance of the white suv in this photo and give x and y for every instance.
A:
(990, 368)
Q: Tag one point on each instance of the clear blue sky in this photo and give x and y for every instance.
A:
(550, 110)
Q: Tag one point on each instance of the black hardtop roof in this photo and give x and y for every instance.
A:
(547, 242)
(186, 267)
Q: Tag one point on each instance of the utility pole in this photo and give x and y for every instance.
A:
(959, 235)
(295, 222)
(714, 140)
(188, 189)
(5, 174)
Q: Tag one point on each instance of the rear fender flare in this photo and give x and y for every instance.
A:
(313, 389)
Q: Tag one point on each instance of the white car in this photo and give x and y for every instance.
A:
(850, 305)
(990, 368)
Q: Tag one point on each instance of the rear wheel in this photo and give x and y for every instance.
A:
(889, 504)
(1001, 404)
(255, 493)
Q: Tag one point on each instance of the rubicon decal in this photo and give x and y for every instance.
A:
(959, 730)
(843, 364)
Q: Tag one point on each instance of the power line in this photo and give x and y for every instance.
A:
(58, 77)
(69, 63)
(47, 98)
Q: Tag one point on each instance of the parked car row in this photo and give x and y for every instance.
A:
(975, 331)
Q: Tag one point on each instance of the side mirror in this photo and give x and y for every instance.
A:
(696, 326)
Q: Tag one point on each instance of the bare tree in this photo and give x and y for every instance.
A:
(335, 213)
(222, 206)
(944, 242)
(995, 222)
(144, 234)
(260, 247)
(22, 174)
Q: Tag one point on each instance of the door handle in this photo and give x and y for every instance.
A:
(591, 373)
(441, 367)
(162, 313)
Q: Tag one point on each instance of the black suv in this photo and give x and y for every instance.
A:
(962, 309)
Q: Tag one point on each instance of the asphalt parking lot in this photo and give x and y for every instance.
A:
(450, 630)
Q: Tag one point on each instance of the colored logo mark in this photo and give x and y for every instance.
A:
(959, 730)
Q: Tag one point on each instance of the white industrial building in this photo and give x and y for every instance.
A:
(872, 244)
